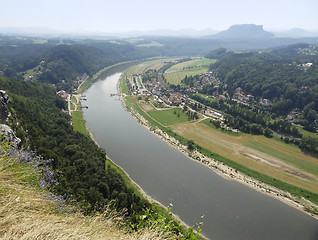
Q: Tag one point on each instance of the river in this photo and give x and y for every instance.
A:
(232, 210)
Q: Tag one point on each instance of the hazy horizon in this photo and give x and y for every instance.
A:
(96, 16)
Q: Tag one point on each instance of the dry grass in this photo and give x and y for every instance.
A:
(25, 214)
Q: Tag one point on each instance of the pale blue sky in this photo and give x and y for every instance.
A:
(124, 15)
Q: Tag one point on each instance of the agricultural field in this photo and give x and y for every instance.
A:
(40, 41)
(151, 44)
(140, 68)
(177, 72)
(272, 157)
(169, 117)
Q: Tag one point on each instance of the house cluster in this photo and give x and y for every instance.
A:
(306, 65)
(80, 79)
(203, 80)
(239, 96)
(210, 78)
(169, 97)
(173, 99)
(63, 94)
(136, 85)
(153, 87)
(265, 102)
(293, 114)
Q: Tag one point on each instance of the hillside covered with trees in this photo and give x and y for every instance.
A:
(286, 78)
(61, 63)
(78, 162)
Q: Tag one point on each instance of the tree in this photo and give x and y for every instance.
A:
(190, 145)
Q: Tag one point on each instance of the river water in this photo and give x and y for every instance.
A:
(232, 210)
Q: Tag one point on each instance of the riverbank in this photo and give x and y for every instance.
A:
(160, 208)
(222, 169)
(135, 186)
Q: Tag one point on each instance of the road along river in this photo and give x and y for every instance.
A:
(232, 210)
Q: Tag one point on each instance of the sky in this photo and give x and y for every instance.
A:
(128, 15)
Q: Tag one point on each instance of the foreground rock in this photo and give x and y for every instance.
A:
(7, 134)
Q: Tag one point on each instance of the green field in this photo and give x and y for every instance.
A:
(177, 72)
(211, 99)
(167, 117)
(140, 68)
(79, 122)
(151, 44)
(74, 100)
(40, 41)
(293, 160)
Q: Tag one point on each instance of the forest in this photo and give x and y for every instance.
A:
(60, 64)
(79, 164)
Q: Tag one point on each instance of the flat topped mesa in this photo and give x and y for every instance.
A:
(243, 31)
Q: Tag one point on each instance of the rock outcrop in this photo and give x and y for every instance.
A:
(7, 134)
(4, 101)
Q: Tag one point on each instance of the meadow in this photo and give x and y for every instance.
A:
(169, 117)
(176, 73)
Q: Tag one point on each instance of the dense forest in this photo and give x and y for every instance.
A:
(79, 164)
(61, 63)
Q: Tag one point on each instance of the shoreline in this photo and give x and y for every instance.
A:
(139, 188)
(221, 169)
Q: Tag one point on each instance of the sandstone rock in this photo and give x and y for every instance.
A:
(4, 101)
(7, 134)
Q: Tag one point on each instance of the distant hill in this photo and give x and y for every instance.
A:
(243, 31)
(188, 32)
(296, 33)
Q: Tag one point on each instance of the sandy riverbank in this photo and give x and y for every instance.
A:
(224, 170)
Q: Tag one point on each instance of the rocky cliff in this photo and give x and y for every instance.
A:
(4, 101)
(6, 133)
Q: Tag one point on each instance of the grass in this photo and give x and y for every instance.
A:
(122, 84)
(74, 100)
(79, 123)
(40, 41)
(72, 107)
(229, 132)
(141, 67)
(211, 99)
(292, 159)
(169, 117)
(193, 67)
(32, 72)
(151, 44)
